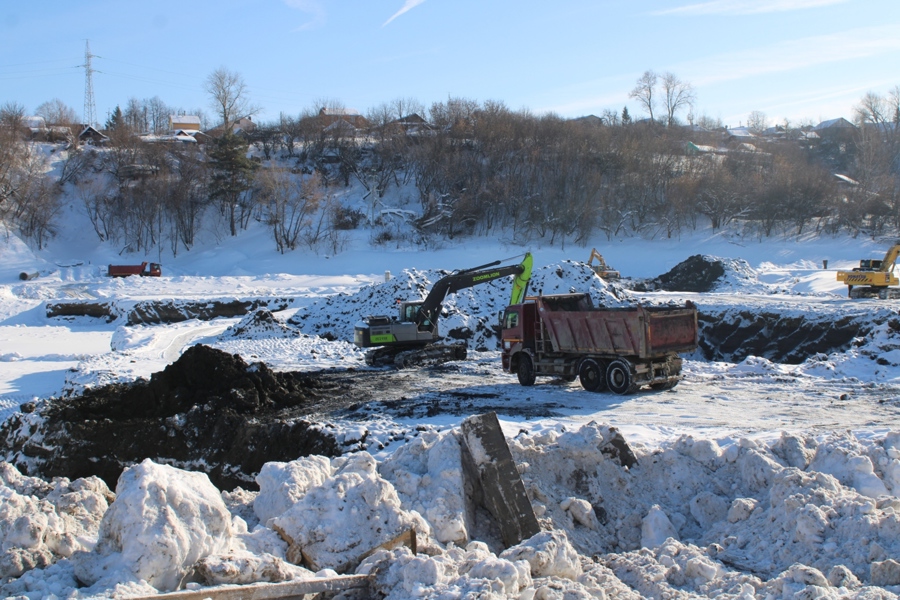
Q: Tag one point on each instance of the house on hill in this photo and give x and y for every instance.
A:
(329, 116)
(411, 124)
(739, 135)
(243, 125)
(89, 135)
(840, 130)
(184, 123)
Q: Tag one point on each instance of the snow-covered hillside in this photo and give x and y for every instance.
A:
(758, 476)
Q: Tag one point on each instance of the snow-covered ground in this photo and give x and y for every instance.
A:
(754, 479)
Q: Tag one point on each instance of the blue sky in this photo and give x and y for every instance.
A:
(796, 59)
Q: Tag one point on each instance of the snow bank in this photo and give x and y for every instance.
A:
(796, 516)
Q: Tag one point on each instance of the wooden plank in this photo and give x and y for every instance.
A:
(268, 591)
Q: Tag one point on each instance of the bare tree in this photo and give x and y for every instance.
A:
(57, 112)
(136, 116)
(644, 91)
(229, 96)
(291, 202)
(677, 95)
(757, 121)
(12, 153)
(404, 107)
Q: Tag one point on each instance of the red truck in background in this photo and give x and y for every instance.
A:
(144, 269)
(619, 349)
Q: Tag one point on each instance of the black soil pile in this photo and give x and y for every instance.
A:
(208, 411)
(697, 273)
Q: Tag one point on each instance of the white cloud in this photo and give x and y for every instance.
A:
(408, 5)
(745, 7)
(860, 43)
(313, 8)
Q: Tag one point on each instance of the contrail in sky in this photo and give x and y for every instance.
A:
(407, 6)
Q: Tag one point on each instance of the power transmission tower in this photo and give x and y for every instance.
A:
(90, 109)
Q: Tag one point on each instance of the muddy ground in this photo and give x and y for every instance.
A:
(212, 411)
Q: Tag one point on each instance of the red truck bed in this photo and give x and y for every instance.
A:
(638, 331)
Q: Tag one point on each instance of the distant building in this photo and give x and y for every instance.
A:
(89, 135)
(840, 130)
(739, 135)
(329, 116)
(411, 124)
(184, 122)
(242, 125)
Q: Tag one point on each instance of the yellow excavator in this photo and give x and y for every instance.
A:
(873, 278)
(601, 268)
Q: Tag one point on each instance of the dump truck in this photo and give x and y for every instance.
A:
(615, 349)
(873, 278)
(145, 269)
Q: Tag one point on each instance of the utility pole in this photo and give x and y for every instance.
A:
(90, 109)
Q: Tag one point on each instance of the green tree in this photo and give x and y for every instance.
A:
(116, 120)
(626, 118)
(231, 180)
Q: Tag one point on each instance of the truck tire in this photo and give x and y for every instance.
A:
(619, 378)
(525, 371)
(591, 375)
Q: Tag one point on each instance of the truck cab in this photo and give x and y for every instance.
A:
(517, 332)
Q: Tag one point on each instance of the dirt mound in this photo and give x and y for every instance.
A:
(696, 274)
(209, 410)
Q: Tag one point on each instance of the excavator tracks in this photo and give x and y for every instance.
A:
(882, 293)
(401, 358)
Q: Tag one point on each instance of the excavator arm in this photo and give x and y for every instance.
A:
(890, 258)
(430, 309)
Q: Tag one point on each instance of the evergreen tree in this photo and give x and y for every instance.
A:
(232, 178)
(626, 118)
(116, 120)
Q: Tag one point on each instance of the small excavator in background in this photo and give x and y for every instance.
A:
(409, 338)
(601, 268)
(873, 278)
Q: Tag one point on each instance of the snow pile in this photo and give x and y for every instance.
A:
(469, 314)
(740, 277)
(259, 324)
(162, 522)
(41, 522)
(352, 512)
(742, 518)
(427, 475)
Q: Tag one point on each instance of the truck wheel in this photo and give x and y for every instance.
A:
(619, 378)
(591, 376)
(525, 371)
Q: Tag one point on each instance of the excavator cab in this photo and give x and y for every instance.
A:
(870, 264)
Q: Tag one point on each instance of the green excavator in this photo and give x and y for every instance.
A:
(410, 337)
